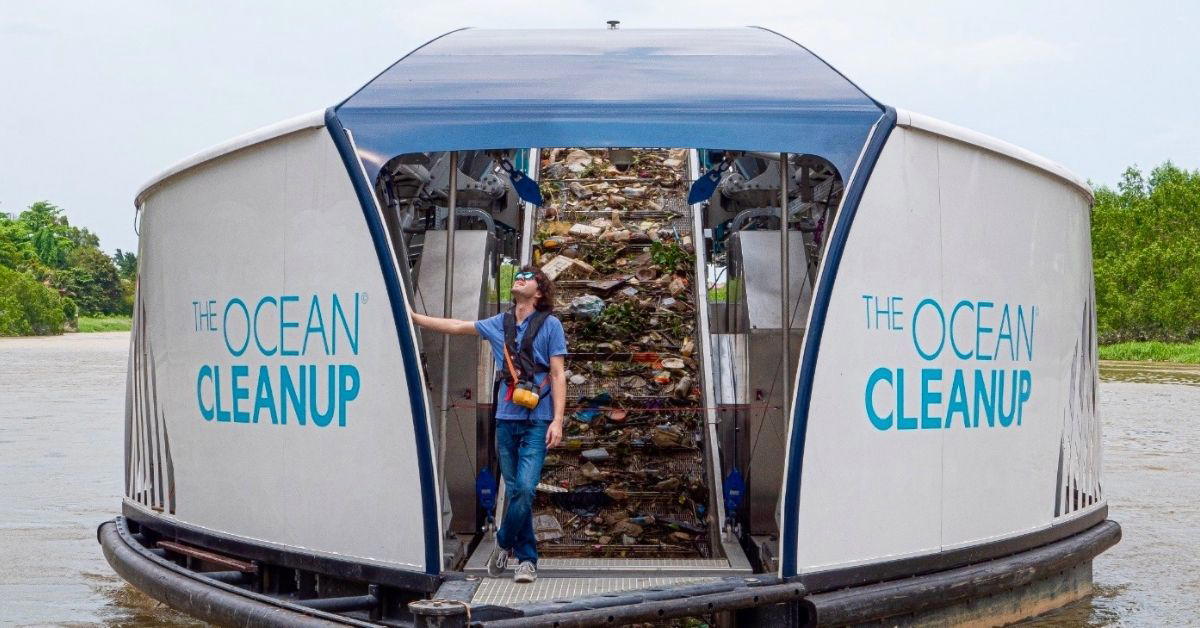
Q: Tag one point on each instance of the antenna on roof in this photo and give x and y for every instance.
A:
(612, 24)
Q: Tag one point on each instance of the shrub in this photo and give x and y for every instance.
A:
(28, 308)
(70, 310)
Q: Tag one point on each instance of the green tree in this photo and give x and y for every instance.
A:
(126, 262)
(91, 281)
(80, 237)
(48, 232)
(128, 292)
(16, 251)
(1146, 251)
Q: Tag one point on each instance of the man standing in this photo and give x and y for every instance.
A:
(528, 345)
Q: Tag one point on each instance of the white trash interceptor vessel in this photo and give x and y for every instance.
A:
(893, 337)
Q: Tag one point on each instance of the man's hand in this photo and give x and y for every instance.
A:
(554, 433)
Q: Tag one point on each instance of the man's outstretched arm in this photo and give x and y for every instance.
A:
(444, 325)
(558, 396)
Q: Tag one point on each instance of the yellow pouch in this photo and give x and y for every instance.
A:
(525, 398)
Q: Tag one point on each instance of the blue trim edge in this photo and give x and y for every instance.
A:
(416, 394)
(812, 343)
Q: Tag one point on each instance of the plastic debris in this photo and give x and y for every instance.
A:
(668, 484)
(677, 285)
(646, 274)
(633, 382)
(627, 527)
(667, 436)
(577, 161)
(586, 415)
(595, 455)
(606, 286)
(683, 388)
(615, 237)
(588, 305)
(547, 528)
(616, 494)
(591, 472)
(584, 501)
(564, 267)
(586, 231)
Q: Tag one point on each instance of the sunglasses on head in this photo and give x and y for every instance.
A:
(524, 275)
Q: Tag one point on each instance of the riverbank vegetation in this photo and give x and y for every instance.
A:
(105, 323)
(53, 273)
(1152, 351)
(1146, 251)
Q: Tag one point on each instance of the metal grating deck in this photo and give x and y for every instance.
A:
(504, 591)
(626, 568)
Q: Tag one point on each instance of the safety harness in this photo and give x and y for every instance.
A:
(521, 367)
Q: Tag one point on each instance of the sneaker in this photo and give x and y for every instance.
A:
(526, 572)
(497, 562)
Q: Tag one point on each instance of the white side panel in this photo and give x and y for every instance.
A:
(1000, 147)
(1020, 238)
(949, 233)
(275, 223)
(310, 120)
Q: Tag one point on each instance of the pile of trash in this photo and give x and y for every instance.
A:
(629, 480)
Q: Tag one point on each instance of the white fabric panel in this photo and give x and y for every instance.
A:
(865, 493)
(278, 219)
(952, 223)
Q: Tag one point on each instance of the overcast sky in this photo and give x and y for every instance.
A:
(99, 96)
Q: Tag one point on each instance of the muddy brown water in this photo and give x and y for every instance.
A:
(61, 403)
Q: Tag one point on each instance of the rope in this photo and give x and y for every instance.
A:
(462, 435)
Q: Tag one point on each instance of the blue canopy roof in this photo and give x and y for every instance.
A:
(740, 88)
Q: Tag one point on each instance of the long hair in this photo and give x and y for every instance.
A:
(546, 285)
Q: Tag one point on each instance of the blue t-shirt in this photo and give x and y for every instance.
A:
(550, 341)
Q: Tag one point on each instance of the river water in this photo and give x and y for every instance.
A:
(61, 404)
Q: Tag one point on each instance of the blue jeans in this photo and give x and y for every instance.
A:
(521, 446)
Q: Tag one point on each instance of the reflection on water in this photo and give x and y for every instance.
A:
(61, 459)
(126, 606)
(1150, 373)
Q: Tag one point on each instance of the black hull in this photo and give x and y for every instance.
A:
(1003, 589)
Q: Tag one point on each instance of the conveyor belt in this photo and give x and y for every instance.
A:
(648, 508)
(651, 496)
